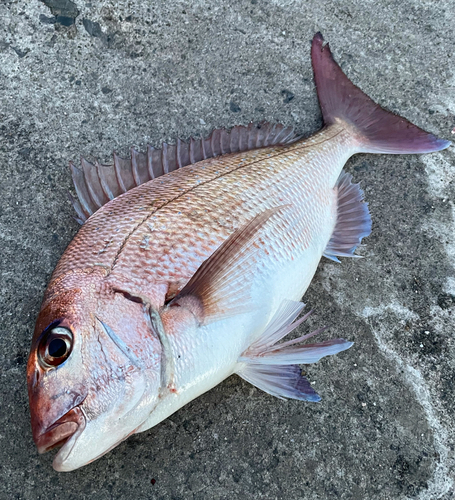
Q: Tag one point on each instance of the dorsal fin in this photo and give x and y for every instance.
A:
(97, 184)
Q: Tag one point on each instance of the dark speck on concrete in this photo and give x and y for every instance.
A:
(24, 151)
(106, 90)
(64, 20)
(21, 53)
(446, 301)
(235, 108)
(47, 20)
(287, 96)
(363, 166)
(92, 28)
(64, 8)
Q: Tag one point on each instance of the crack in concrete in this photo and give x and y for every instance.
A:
(441, 482)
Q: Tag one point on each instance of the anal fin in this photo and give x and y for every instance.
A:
(282, 381)
(353, 220)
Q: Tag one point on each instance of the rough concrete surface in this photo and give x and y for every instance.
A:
(87, 78)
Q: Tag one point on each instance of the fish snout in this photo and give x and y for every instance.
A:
(59, 432)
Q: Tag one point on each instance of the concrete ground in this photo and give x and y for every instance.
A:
(86, 78)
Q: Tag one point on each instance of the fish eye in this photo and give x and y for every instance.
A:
(55, 346)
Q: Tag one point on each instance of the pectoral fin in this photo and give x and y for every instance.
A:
(221, 286)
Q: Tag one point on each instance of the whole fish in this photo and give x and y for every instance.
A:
(183, 275)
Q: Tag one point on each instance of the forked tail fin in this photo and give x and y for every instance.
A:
(376, 130)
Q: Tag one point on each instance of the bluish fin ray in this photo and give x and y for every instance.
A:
(280, 381)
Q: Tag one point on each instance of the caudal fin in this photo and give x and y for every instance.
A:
(376, 130)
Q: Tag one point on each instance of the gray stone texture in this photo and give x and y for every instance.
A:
(87, 78)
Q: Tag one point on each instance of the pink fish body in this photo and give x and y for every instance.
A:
(192, 276)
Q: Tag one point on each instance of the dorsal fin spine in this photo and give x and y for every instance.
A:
(164, 158)
(118, 173)
(225, 142)
(267, 137)
(103, 187)
(286, 137)
(178, 153)
(80, 204)
(89, 171)
(150, 161)
(104, 184)
(82, 190)
(204, 154)
(134, 167)
(212, 143)
(234, 140)
(191, 150)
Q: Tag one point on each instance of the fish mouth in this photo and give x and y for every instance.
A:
(61, 431)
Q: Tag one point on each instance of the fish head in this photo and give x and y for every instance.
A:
(93, 371)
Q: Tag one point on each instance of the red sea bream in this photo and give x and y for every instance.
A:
(190, 265)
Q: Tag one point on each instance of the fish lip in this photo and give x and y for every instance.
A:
(61, 431)
(65, 450)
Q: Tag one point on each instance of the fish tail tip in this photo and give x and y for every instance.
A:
(443, 144)
(314, 399)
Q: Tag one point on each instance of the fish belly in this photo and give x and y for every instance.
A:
(206, 356)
